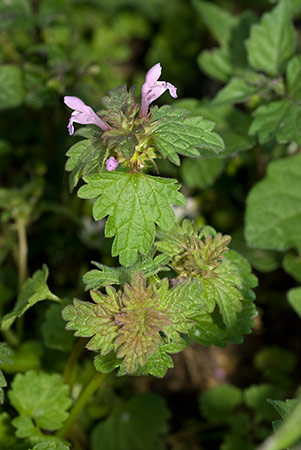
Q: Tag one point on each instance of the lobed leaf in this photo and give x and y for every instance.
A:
(134, 202)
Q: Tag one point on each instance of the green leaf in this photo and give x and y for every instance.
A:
(284, 408)
(40, 397)
(219, 21)
(273, 216)
(216, 64)
(238, 90)
(293, 78)
(5, 358)
(276, 364)
(12, 89)
(7, 432)
(272, 41)
(218, 402)
(256, 396)
(201, 173)
(294, 298)
(175, 132)
(280, 119)
(134, 203)
(144, 415)
(106, 363)
(53, 330)
(27, 356)
(232, 124)
(292, 265)
(34, 290)
(84, 156)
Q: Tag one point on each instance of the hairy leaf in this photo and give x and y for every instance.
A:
(175, 132)
(273, 217)
(134, 203)
(272, 41)
(34, 290)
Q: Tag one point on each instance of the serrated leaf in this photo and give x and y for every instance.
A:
(280, 119)
(144, 415)
(106, 363)
(175, 132)
(41, 397)
(53, 330)
(272, 41)
(5, 358)
(273, 216)
(134, 203)
(294, 298)
(201, 173)
(84, 156)
(12, 88)
(231, 124)
(34, 290)
(238, 90)
(104, 276)
(218, 402)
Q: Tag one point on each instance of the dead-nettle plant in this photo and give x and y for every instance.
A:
(208, 297)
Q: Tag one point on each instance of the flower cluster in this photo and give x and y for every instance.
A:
(85, 115)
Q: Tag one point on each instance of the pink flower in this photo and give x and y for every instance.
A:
(83, 114)
(111, 163)
(152, 88)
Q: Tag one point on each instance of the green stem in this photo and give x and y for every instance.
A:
(89, 390)
(22, 266)
(71, 365)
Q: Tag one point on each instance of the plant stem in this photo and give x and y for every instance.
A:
(71, 365)
(23, 250)
(89, 390)
(22, 266)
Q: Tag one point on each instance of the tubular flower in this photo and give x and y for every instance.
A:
(82, 114)
(111, 163)
(152, 88)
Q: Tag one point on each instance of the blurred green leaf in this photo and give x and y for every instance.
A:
(201, 173)
(273, 216)
(144, 415)
(218, 402)
(54, 330)
(255, 397)
(294, 298)
(12, 89)
(272, 40)
(292, 265)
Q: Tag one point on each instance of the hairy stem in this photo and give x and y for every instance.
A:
(88, 391)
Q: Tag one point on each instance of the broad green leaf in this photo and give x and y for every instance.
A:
(175, 132)
(273, 216)
(53, 329)
(106, 363)
(234, 441)
(276, 364)
(294, 298)
(134, 203)
(238, 90)
(219, 21)
(12, 89)
(141, 422)
(280, 119)
(34, 290)
(292, 265)
(255, 397)
(201, 173)
(27, 356)
(232, 124)
(216, 64)
(218, 402)
(7, 432)
(272, 40)
(40, 397)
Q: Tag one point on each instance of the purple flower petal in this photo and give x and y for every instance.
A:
(83, 114)
(152, 88)
(111, 163)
